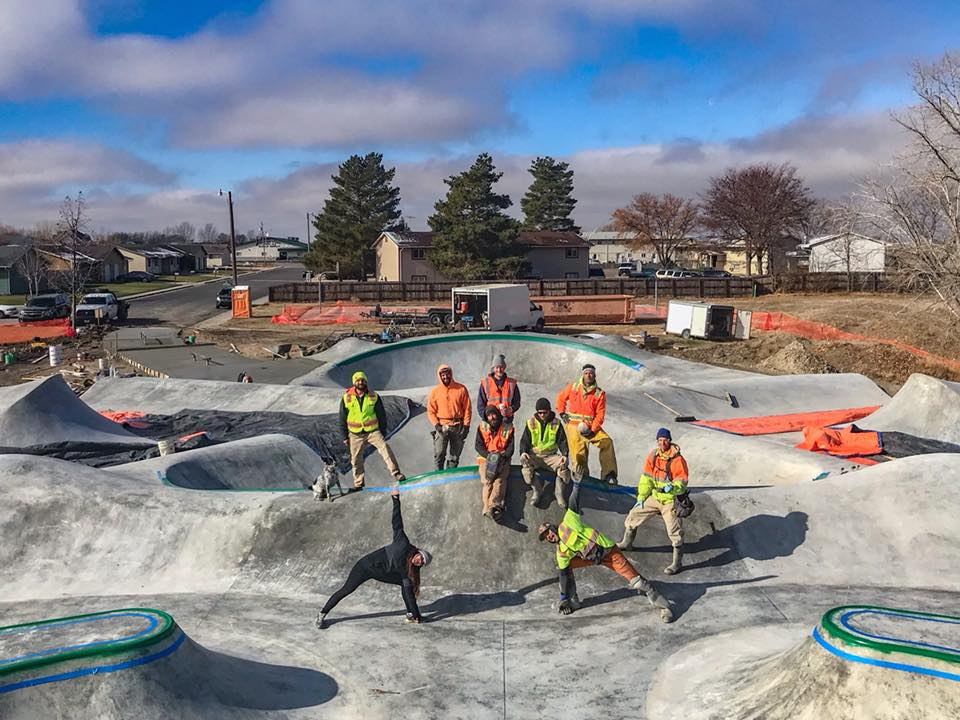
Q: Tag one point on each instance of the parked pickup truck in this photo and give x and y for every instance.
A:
(101, 306)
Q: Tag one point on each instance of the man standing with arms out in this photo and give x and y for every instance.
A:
(448, 409)
(582, 406)
(543, 446)
(580, 545)
(499, 390)
(494, 449)
(664, 478)
(361, 418)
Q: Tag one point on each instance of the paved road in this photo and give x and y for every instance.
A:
(192, 305)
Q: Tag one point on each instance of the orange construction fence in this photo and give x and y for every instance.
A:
(42, 329)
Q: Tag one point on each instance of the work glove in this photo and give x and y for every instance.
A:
(667, 487)
(566, 607)
(565, 417)
(438, 428)
(464, 431)
(524, 458)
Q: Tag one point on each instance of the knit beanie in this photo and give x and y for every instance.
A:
(499, 361)
(427, 557)
(543, 404)
(664, 433)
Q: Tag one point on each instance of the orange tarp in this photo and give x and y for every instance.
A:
(771, 424)
(846, 442)
(773, 321)
(16, 334)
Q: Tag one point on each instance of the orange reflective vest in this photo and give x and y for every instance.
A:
(495, 441)
(499, 396)
(582, 404)
(361, 418)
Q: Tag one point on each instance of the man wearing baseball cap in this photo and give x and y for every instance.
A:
(664, 478)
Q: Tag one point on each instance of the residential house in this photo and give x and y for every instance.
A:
(15, 261)
(155, 260)
(405, 256)
(272, 249)
(609, 247)
(218, 255)
(112, 262)
(846, 252)
(193, 258)
(63, 260)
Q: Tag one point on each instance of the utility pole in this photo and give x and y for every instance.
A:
(233, 237)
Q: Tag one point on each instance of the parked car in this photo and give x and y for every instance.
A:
(136, 276)
(641, 274)
(102, 306)
(9, 311)
(676, 274)
(225, 297)
(45, 307)
(626, 268)
(714, 273)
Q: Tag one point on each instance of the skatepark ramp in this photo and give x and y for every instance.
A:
(925, 407)
(138, 662)
(860, 661)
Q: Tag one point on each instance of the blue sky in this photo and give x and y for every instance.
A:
(150, 107)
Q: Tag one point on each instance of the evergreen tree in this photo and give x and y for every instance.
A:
(549, 199)
(362, 204)
(475, 239)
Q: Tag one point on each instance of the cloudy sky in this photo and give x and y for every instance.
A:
(150, 106)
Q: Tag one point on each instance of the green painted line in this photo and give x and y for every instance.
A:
(833, 629)
(480, 337)
(106, 650)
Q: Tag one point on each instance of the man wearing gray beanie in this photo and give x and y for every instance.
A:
(499, 390)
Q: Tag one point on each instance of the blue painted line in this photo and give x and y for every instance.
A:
(844, 621)
(473, 475)
(66, 648)
(882, 663)
(95, 670)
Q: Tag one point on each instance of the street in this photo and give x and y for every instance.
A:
(191, 305)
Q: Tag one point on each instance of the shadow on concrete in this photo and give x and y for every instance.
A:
(240, 683)
(459, 604)
(760, 537)
(682, 596)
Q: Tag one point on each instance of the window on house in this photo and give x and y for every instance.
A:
(419, 253)
(418, 278)
(573, 253)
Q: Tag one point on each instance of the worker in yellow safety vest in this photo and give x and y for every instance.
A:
(579, 545)
(543, 446)
(361, 418)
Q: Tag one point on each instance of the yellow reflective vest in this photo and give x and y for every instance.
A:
(579, 539)
(361, 418)
(544, 443)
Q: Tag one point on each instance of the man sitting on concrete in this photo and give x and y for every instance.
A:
(543, 446)
(494, 446)
(361, 418)
(582, 406)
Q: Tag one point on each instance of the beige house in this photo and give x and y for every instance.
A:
(406, 256)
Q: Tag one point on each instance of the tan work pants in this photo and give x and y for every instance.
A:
(493, 492)
(358, 443)
(578, 451)
(554, 462)
(638, 515)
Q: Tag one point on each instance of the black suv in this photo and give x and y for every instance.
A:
(225, 298)
(45, 307)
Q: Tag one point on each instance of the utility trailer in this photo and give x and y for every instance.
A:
(705, 320)
(432, 316)
(496, 307)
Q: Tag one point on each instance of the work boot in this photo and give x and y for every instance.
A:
(628, 537)
(321, 621)
(575, 601)
(677, 564)
(643, 587)
(401, 478)
(496, 513)
(610, 479)
(537, 492)
(558, 493)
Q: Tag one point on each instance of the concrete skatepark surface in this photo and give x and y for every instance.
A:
(778, 537)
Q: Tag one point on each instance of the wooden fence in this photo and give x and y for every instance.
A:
(874, 282)
(394, 292)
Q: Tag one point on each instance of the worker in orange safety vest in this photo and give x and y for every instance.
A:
(494, 446)
(499, 390)
(582, 406)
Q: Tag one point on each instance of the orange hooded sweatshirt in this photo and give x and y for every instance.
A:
(448, 404)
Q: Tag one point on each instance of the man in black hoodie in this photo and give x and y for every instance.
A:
(543, 446)
(398, 563)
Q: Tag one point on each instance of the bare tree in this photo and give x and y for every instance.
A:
(663, 221)
(208, 233)
(915, 205)
(33, 267)
(757, 206)
(71, 238)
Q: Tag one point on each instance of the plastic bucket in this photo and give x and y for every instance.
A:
(55, 355)
(102, 364)
(9, 358)
(166, 447)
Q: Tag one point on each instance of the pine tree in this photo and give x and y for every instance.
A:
(475, 239)
(549, 200)
(362, 204)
